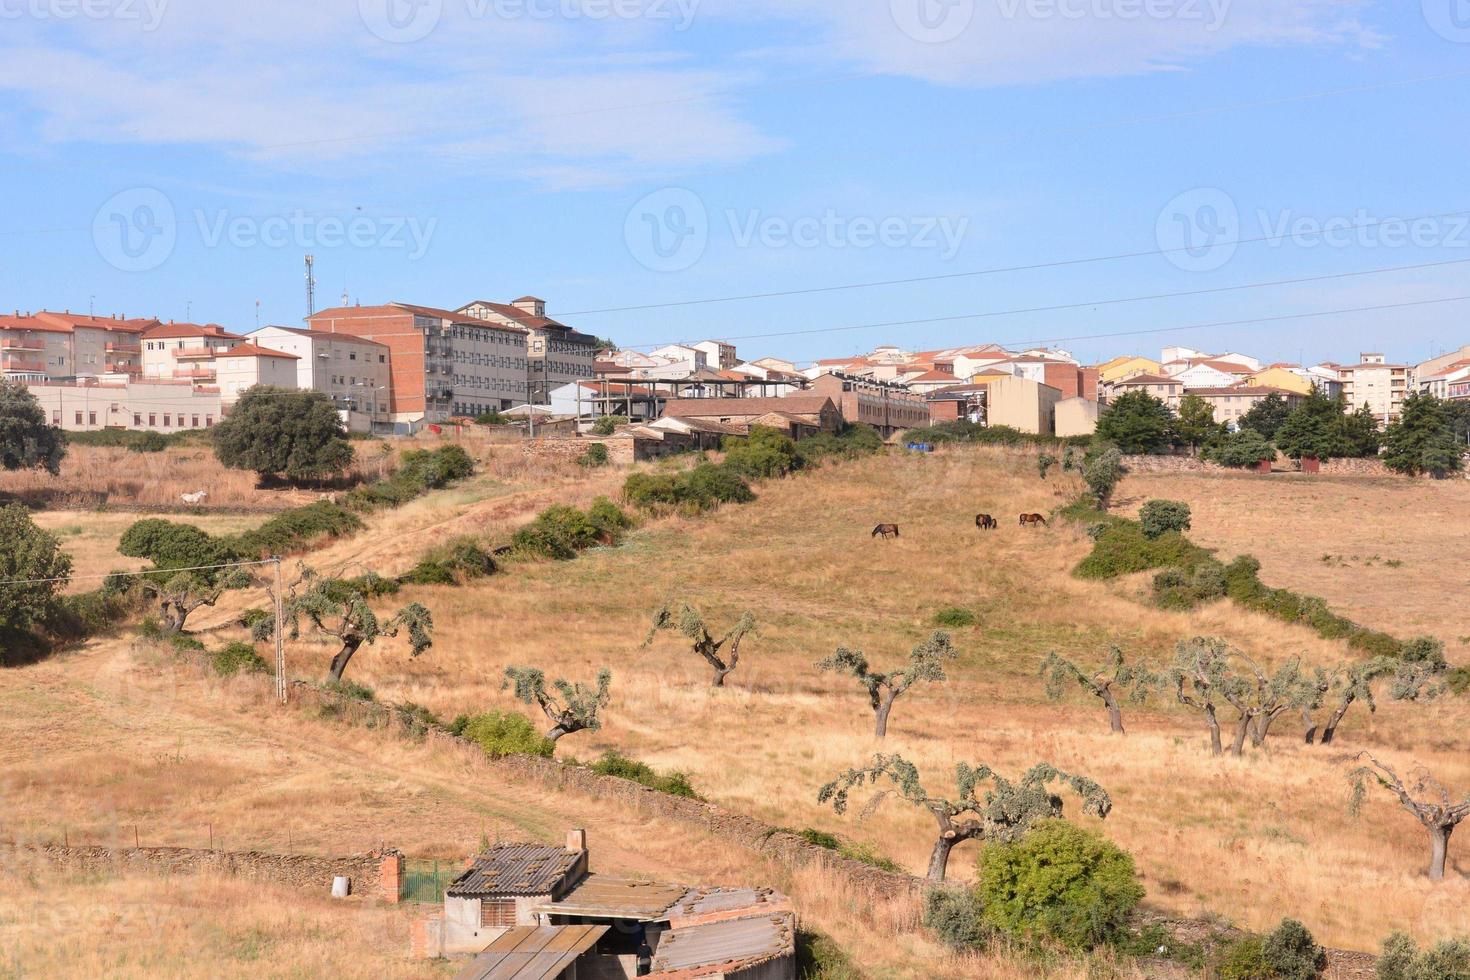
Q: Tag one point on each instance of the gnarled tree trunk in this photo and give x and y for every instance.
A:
(880, 714)
(1213, 721)
(1439, 839)
(1115, 713)
(350, 645)
(1330, 732)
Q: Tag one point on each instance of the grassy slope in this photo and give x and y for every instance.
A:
(1250, 841)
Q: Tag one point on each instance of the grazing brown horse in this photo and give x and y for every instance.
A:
(887, 530)
(985, 522)
(1031, 520)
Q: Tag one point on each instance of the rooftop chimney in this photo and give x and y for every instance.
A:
(577, 841)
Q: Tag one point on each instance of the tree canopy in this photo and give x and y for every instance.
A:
(1321, 426)
(1137, 422)
(1266, 416)
(926, 663)
(27, 440)
(293, 434)
(1196, 423)
(723, 654)
(1422, 440)
(569, 707)
(27, 552)
(189, 568)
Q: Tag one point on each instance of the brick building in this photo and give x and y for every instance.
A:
(889, 408)
(441, 363)
(555, 353)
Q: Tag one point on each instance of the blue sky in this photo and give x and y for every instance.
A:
(178, 159)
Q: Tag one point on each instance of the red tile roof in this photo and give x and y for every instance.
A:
(324, 335)
(251, 350)
(1252, 390)
(933, 376)
(171, 330)
(9, 322)
(1147, 379)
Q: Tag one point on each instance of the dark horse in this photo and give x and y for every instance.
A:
(887, 530)
(985, 522)
(1031, 520)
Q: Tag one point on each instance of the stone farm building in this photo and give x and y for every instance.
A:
(525, 911)
(797, 415)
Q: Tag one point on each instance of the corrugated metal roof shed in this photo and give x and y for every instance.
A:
(532, 953)
(607, 897)
(514, 869)
(732, 941)
(701, 901)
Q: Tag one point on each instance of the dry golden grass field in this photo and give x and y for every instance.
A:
(109, 737)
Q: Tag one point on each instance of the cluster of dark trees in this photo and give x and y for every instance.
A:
(1430, 436)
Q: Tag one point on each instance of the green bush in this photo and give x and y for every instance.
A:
(1123, 549)
(419, 471)
(820, 838)
(1402, 959)
(491, 418)
(1178, 588)
(954, 617)
(560, 532)
(1291, 953)
(1159, 517)
(957, 917)
(295, 530)
(351, 690)
(762, 455)
(702, 488)
(596, 456)
(608, 424)
(854, 441)
(233, 658)
(461, 560)
(1242, 959)
(674, 783)
(1240, 450)
(503, 733)
(1059, 883)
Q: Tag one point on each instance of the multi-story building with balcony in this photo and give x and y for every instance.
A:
(185, 351)
(1375, 383)
(441, 364)
(556, 354)
(352, 371)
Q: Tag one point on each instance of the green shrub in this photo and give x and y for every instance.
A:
(1402, 959)
(560, 532)
(416, 719)
(596, 456)
(1059, 883)
(608, 424)
(613, 763)
(233, 658)
(419, 471)
(1159, 517)
(954, 617)
(1123, 549)
(819, 958)
(957, 917)
(184, 643)
(1146, 943)
(1102, 472)
(1242, 959)
(854, 441)
(461, 560)
(764, 454)
(503, 733)
(294, 530)
(491, 418)
(429, 572)
(1240, 450)
(1291, 953)
(1179, 588)
(820, 838)
(351, 690)
(702, 488)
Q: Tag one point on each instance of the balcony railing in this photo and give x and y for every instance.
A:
(193, 353)
(29, 346)
(124, 349)
(31, 367)
(195, 373)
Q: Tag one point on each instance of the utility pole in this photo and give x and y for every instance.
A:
(310, 285)
(280, 635)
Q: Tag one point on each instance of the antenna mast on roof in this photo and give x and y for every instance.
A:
(310, 285)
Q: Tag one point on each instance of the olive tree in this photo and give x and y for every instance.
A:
(1004, 812)
(1102, 475)
(1424, 796)
(569, 707)
(723, 655)
(1208, 673)
(1415, 676)
(1107, 682)
(192, 569)
(342, 609)
(926, 663)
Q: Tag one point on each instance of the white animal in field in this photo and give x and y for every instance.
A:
(195, 498)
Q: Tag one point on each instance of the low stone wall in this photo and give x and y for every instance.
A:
(292, 870)
(1193, 464)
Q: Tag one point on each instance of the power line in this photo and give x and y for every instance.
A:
(997, 270)
(138, 574)
(1101, 302)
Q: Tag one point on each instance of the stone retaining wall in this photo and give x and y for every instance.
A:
(1193, 464)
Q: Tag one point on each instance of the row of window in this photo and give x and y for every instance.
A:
(489, 384)
(487, 336)
(472, 409)
(490, 360)
(168, 420)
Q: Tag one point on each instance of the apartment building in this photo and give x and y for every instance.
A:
(1023, 404)
(185, 351)
(441, 363)
(889, 408)
(352, 371)
(1375, 383)
(1167, 390)
(720, 355)
(555, 353)
(62, 346)
(678, 361)
(1233, 402)
(245, 366)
